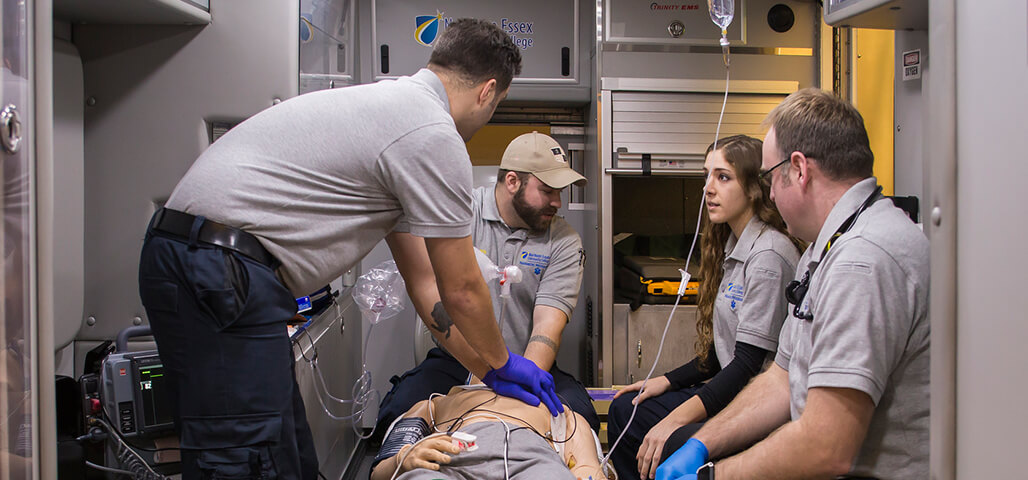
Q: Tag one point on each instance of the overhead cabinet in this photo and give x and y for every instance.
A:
(545, 31)
(668, 22)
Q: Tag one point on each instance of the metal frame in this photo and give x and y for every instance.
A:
(41, 211)
(940, 184)
(627, 84)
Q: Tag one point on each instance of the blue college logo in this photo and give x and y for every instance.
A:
(426, 28)
(535, 262)
(306, 28)
(734, 293)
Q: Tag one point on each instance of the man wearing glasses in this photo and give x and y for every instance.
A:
(847, 395)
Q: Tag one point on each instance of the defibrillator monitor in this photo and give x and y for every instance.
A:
(135, 394)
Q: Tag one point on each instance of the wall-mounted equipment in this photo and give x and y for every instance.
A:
(887, 14)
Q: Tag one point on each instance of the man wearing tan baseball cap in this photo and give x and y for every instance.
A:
(515, 223)
(543, 157)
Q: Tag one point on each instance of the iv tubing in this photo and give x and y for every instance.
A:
(699, 217)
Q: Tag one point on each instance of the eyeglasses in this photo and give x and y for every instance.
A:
(767, 173)
(795, 292)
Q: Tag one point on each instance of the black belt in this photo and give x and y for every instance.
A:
(180, 224)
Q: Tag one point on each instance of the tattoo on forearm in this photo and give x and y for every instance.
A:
(543, 339)
(443, 322)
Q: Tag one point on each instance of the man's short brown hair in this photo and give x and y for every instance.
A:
(826, 129)
(477, 50)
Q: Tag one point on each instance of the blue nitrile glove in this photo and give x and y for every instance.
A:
(685, 461)
(521, 373)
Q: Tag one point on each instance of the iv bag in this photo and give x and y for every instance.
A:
(721, 12)
(380, 292)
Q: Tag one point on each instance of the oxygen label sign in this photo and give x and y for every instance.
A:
(912, 65)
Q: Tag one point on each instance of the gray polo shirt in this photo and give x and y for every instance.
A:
(322, 177)
(750, 305)
(551, 263)
(870, 332)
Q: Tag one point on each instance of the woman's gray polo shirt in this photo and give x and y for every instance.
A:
(870, 332)
(551, 263)
(750, 305)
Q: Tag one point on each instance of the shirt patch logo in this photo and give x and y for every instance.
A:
(534, 261)
(734, 294)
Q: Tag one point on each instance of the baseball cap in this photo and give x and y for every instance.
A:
(543, 157)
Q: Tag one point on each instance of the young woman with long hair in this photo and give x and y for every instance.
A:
(747, 261)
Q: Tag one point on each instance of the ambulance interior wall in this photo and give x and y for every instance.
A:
(577, 356)
(991, 425)
(150, 92)
(669, 61)
(909, 119)
(68, 196)
(590, 354)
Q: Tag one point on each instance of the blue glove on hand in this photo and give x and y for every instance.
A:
(513, 390)
(685, 461)
(520, 378)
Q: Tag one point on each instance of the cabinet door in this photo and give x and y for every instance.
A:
(404, 32)
(326, 44)
(637, 338)
(16, 323)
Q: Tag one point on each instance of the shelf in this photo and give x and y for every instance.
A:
(138, 12)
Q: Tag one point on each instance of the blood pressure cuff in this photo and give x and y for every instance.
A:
(406, 431)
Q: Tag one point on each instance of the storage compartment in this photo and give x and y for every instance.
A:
(649, 280)
(327, 44)
(631, 21)
(546, 31)
(670, 130)
(654, 224)
(138, 12)
(637, 335)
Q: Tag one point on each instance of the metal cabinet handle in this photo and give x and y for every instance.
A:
(10, 129)
(639, 354)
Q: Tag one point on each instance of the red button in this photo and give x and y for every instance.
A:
(94, 405)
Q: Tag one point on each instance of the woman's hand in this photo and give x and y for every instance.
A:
(653, 445)
(655, 386)
(430, 453)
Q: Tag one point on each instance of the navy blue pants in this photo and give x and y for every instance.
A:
(649, 413)
(219, 319)
(440, 372)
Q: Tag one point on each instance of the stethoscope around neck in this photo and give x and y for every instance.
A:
(796, 291)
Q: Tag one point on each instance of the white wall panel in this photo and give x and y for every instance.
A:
(992, 264)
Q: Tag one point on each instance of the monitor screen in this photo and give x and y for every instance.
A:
(153, 392)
